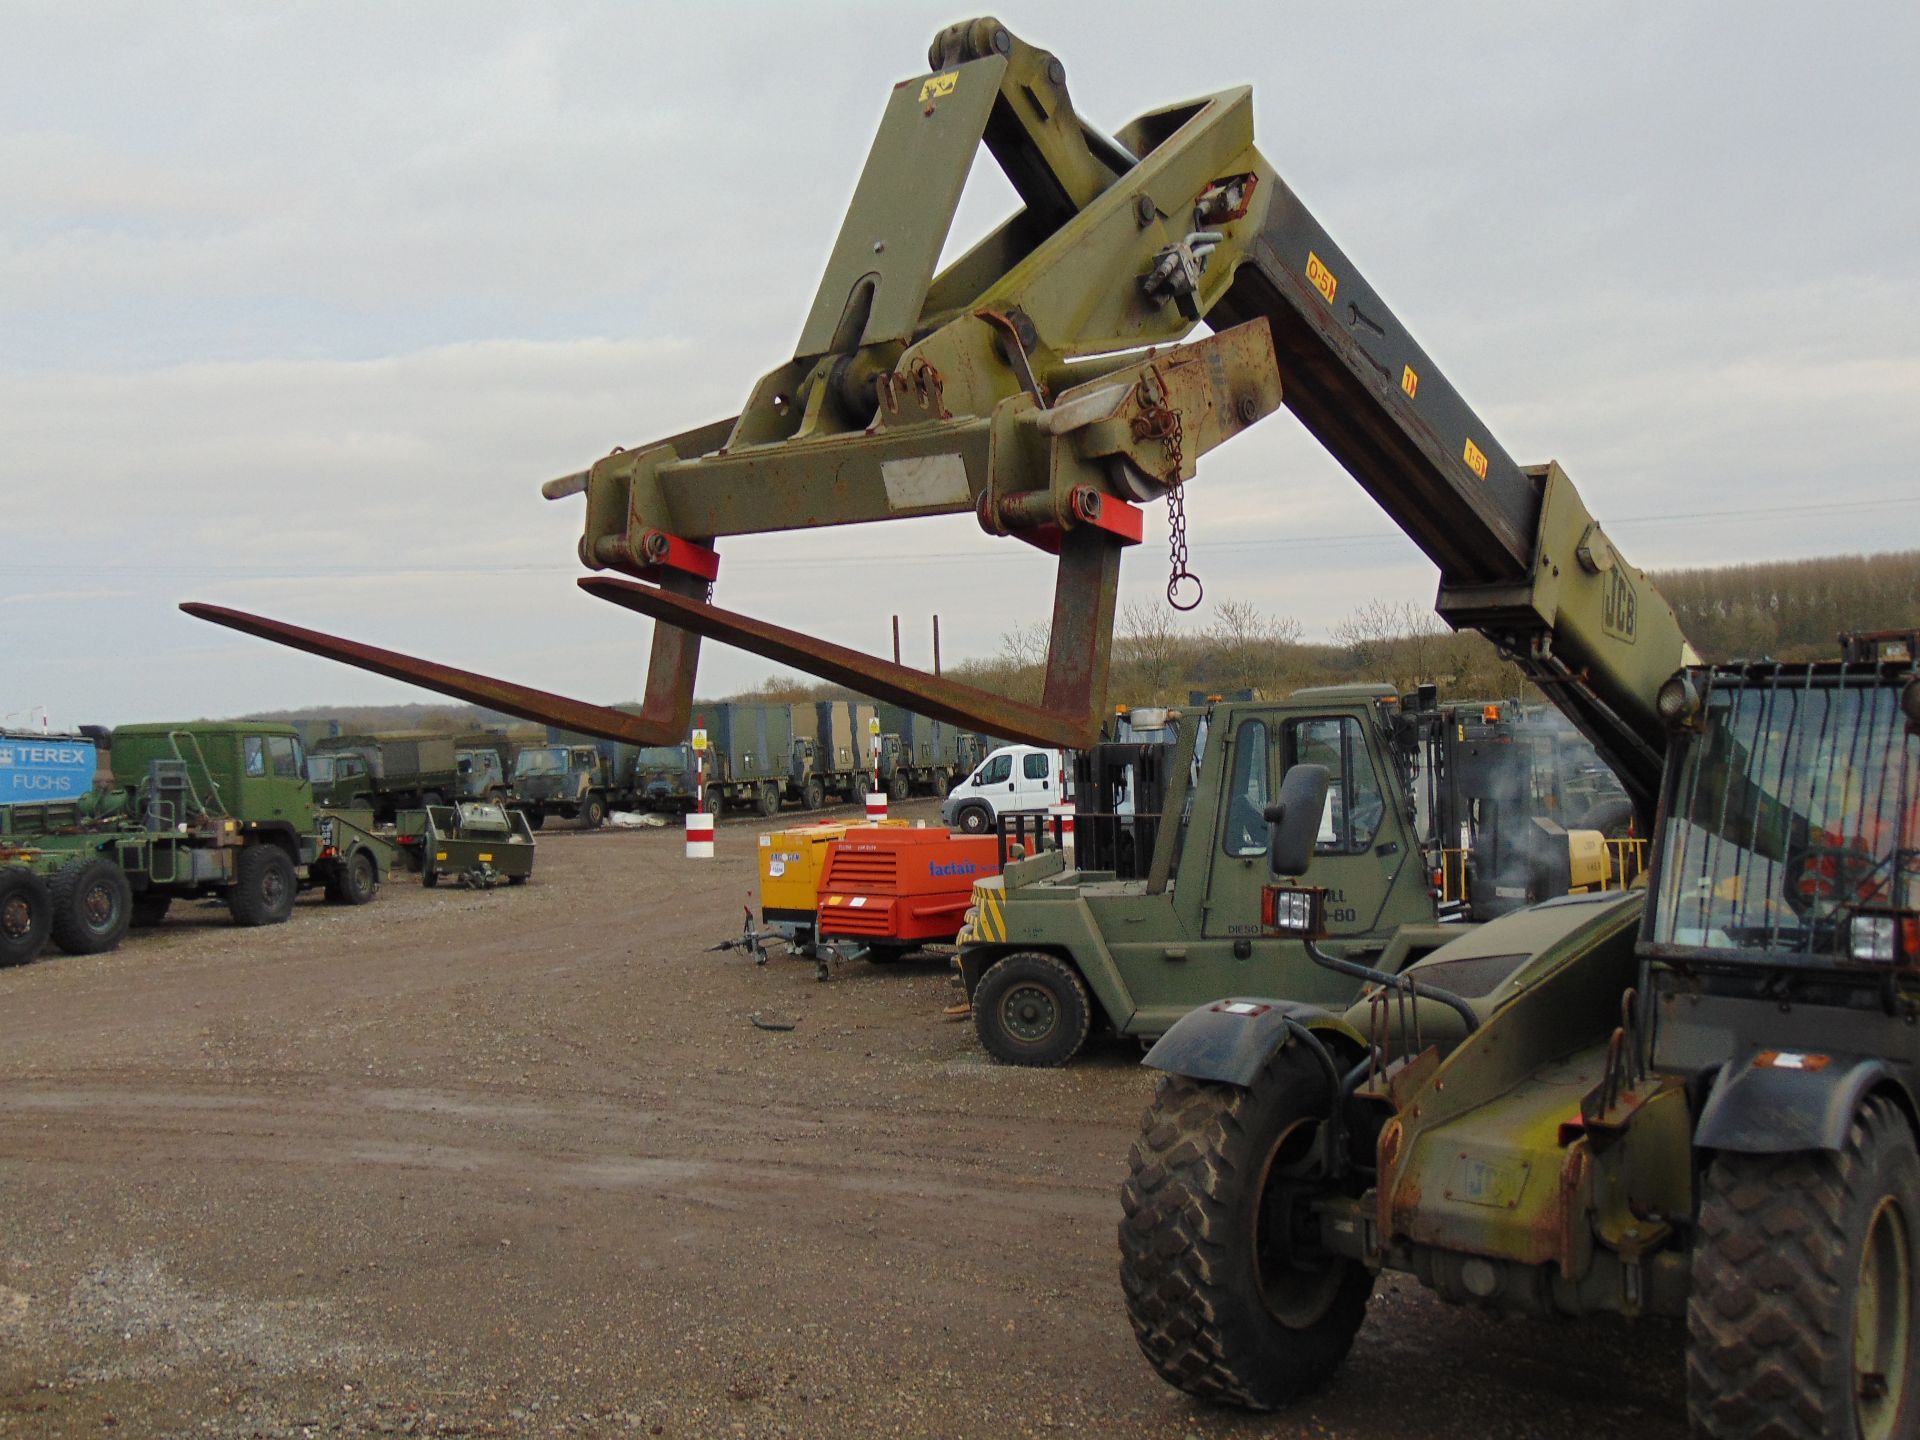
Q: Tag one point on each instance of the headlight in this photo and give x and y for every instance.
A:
(1872, 937)
(1678, 699)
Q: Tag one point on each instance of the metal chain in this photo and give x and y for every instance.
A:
(1178, 573)
(1159, 421)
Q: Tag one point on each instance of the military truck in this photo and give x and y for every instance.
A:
(386, 773)
(832, 752)
(202, 809)
(573, 781)
(917, 755)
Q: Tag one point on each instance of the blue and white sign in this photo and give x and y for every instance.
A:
(52, 767)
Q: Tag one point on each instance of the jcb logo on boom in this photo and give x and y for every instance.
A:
(1618, 606)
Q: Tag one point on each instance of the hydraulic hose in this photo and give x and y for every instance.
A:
(1396, 982)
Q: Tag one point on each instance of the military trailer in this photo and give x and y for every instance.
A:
(477, 844)
(404, 770)
(206, 809)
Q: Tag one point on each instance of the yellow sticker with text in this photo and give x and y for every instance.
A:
(1409, 381)
(1321, 278)
(939, 85)
(1476, 459)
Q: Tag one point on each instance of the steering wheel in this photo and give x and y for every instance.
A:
(1827, 875)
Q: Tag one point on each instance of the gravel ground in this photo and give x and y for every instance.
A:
(518, 1163)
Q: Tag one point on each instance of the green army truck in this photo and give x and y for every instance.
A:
(385, 773)
(202, 810)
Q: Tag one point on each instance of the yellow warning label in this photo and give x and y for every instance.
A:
(939, 85)
(1409, 381)
(1476, 459)
(1321, 278)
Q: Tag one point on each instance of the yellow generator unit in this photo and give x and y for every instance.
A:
(791, 864)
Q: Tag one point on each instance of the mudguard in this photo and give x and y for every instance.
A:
(1774, 1101)
(1231, 1040)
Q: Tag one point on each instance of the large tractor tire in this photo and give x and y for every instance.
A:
(1802, 1323)
(356, 881)
(1031, 1009)
(1224, 1303)
(973, 819)
(264, 887)
(26, 915)
(92, 906)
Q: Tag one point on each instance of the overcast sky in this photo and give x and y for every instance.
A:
(300, 303)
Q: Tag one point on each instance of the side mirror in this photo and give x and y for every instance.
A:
(1294, 819)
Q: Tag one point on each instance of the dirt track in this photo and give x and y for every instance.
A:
(518, 1163)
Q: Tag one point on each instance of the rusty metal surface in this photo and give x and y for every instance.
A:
(656, 724)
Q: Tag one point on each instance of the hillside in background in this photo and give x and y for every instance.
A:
(1785, 609)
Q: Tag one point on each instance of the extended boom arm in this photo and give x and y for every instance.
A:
(1042, 382)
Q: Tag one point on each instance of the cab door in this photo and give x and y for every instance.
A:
(1365, 846)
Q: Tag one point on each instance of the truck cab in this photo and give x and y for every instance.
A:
(1011, 780)
(564, 780)
(664, 777)
(479, 775)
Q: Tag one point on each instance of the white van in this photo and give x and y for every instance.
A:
(1012, 778)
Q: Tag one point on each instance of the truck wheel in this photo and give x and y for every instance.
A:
(92, 906)
(973, 820)
(264, 887)
(432, 797)
(767, 799)
(26, 915)
(897, 788)
(593, 814)
(1224, 1302)
(1802, 1320)
(535, 818)
(358, 880)
(815, 795)
(150, 909)
(1031, 1009)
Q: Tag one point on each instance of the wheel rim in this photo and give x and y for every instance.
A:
(1030, 1013)
(273, 887)
(1882, 1312)
(97, 906)
(16, 918)
(1295, 1293)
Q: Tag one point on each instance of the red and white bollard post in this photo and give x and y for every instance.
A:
(876, 806)
(699, 836)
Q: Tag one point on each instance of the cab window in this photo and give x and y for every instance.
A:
(285, 753)
(1035, 767)
(256, 755)
(1245, 832)
(1355, 805)
(996, 771)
